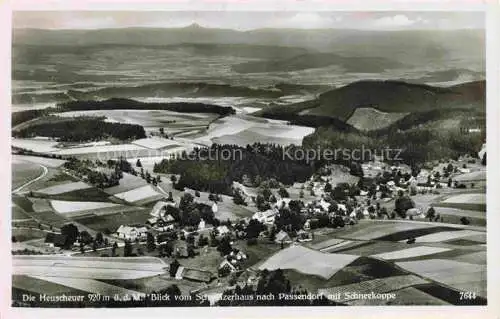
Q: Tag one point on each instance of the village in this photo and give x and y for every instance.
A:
(207, 255)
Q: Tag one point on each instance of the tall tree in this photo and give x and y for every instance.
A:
(127, 249)
(150, 242)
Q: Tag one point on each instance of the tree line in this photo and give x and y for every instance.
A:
(81, 129)
(207, 169)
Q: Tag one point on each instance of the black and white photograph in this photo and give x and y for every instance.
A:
(204, 158)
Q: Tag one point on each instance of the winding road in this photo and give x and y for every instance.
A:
(45, 171)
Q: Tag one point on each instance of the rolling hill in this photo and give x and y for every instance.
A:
(386, 96)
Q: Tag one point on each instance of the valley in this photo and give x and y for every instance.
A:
(188, 167)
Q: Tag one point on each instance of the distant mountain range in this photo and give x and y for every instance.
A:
(403, 46)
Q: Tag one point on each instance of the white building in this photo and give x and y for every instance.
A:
(131, 232)
(265, 217)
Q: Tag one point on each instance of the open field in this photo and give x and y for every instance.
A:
(35, 145)
(127, 183)
(209, 259)
(64, 207)
(90, 286)
(23, 235)
(466, 201)
(83, 267)
(447, 235)
(361, 269)
(18, 212)
(146, 284)
(459, 275)
(378, 285)
(479, 257)
(40, 204)
(156, 283)
(24, 203)
(245, 129)
(92, 194)
(448, 213)
(48, 162)
(53, 177)
(311, 262)
(105, 152)
(365, 248)
(63, 188)
(149, 119)
(143, 194)
(327, 243)
(466, 198)
(24, 172)
(156, 143)
(411, 252)
(367, 230)
(111, 222)
(39, 286)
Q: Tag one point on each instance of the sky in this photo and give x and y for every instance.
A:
(240, 20)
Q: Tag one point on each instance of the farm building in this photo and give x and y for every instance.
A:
(282, 237)
(266, 217)
(193, 274)
(131, 232)
(55, 240)
(227, 267)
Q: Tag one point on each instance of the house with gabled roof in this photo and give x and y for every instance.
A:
(265, 217)
(160, 209)
(131, 232)
(227, 267)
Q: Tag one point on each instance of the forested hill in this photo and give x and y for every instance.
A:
(128, 104)
(387, 96)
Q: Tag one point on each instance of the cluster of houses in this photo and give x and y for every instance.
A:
(233, 262)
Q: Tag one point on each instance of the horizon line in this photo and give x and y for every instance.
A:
(198, 26)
